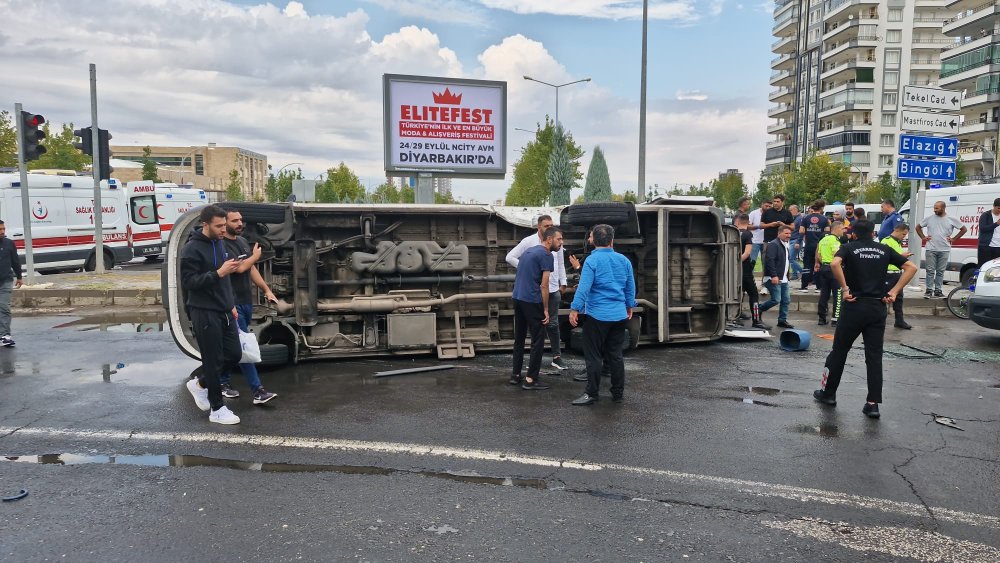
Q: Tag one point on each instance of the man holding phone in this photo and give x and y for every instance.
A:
(208, 295)
(245, 273)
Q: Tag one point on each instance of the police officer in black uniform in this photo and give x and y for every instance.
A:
(861, 269)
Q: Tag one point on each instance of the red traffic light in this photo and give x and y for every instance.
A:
(34, 120)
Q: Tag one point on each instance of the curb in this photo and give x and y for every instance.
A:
(39, 298)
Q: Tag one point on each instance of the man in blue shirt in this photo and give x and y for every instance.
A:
(531, 307)
(890, 219)
(607, 293)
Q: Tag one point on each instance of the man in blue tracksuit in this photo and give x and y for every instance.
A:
(890, 219)
(607, 293)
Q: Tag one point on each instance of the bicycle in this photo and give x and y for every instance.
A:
(958, 298)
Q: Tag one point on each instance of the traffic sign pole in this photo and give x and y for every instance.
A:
(98, 208)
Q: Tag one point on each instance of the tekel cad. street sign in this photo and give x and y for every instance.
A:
(924, 97)
(911, 169)
(937, 147)
(927, 122)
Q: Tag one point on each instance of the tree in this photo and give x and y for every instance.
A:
(8, 140)
(818, 176)
(630, 195)
(279, 187)
(961, 176)
(766, 188)
(234, 187)
(148, 166)
(530, 186)
(386, 193)
(728, 190)
(60, 154)
(598, 186)
(341, 184)
(443, 198)
(560, 170)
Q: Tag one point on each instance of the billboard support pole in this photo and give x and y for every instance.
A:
(424, 192)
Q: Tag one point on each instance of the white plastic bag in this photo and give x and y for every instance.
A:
(251, 350)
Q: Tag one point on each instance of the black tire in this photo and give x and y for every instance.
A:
(91, 264)
(965, 277)
(257, 212)
(958, 302)
(587, 214)
(273, 354)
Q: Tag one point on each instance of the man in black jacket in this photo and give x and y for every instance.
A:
(205, 271)
(10, 278)
(776, 275)
(989, 237)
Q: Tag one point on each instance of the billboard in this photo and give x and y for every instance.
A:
(449, 127)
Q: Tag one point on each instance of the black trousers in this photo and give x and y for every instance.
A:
(528, 319)
(219, 346)
(897, 306)
(985, 253)
(750, 288)
(602, 349)
(827, 285)
(809, 259)
(864, 317)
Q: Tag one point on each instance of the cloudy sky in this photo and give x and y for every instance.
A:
(301, 81)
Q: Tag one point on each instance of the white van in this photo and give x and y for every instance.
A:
(62, 220)
(965, 203)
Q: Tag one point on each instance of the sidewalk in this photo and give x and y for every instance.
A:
(122, 288)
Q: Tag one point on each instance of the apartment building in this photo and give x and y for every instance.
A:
(971, 65)
(204, 167)
(838, 73)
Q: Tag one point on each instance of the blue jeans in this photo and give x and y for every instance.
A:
(249, 370)
(793, 258)
(755, 251)
(780, 294)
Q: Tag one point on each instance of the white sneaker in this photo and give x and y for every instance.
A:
(764, 291)
(224, 416)
(200, 394)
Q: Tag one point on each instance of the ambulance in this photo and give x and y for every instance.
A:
(144, 226)
(173, 201)
(62, 220)
(967, 204)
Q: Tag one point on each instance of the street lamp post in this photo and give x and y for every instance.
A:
(286, 166)
(557, 87)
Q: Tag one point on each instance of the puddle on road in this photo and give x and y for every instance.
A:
(143, 322)
(825, 430)
(171, 460)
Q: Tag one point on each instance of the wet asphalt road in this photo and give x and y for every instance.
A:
(717, 454)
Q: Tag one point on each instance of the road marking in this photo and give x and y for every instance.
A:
(757, 488)
(911, 543)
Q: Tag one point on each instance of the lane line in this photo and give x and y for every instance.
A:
(757, 488)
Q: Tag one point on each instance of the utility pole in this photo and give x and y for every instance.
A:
(642, 106)
(98, 209)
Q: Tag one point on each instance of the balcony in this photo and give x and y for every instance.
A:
(975, 153)
(935, 43)
(834, 7)
(781, 96)
(834, 71)
(779, 111)
(979, 129)
(988, 97)
(847, 30)
(969, 22)
(785, 44)
(861, 42)
(783, 62)
(781, 150)
(779, 127)
(854, 126)
(966, 44)
(849, 99)
(782, 78)
(778, 143)
(931, 65)
(782, 5)
(787, 23)
(927, 21)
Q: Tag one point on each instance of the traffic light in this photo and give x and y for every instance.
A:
(105, 157)
(31, 135)
(86, 143)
